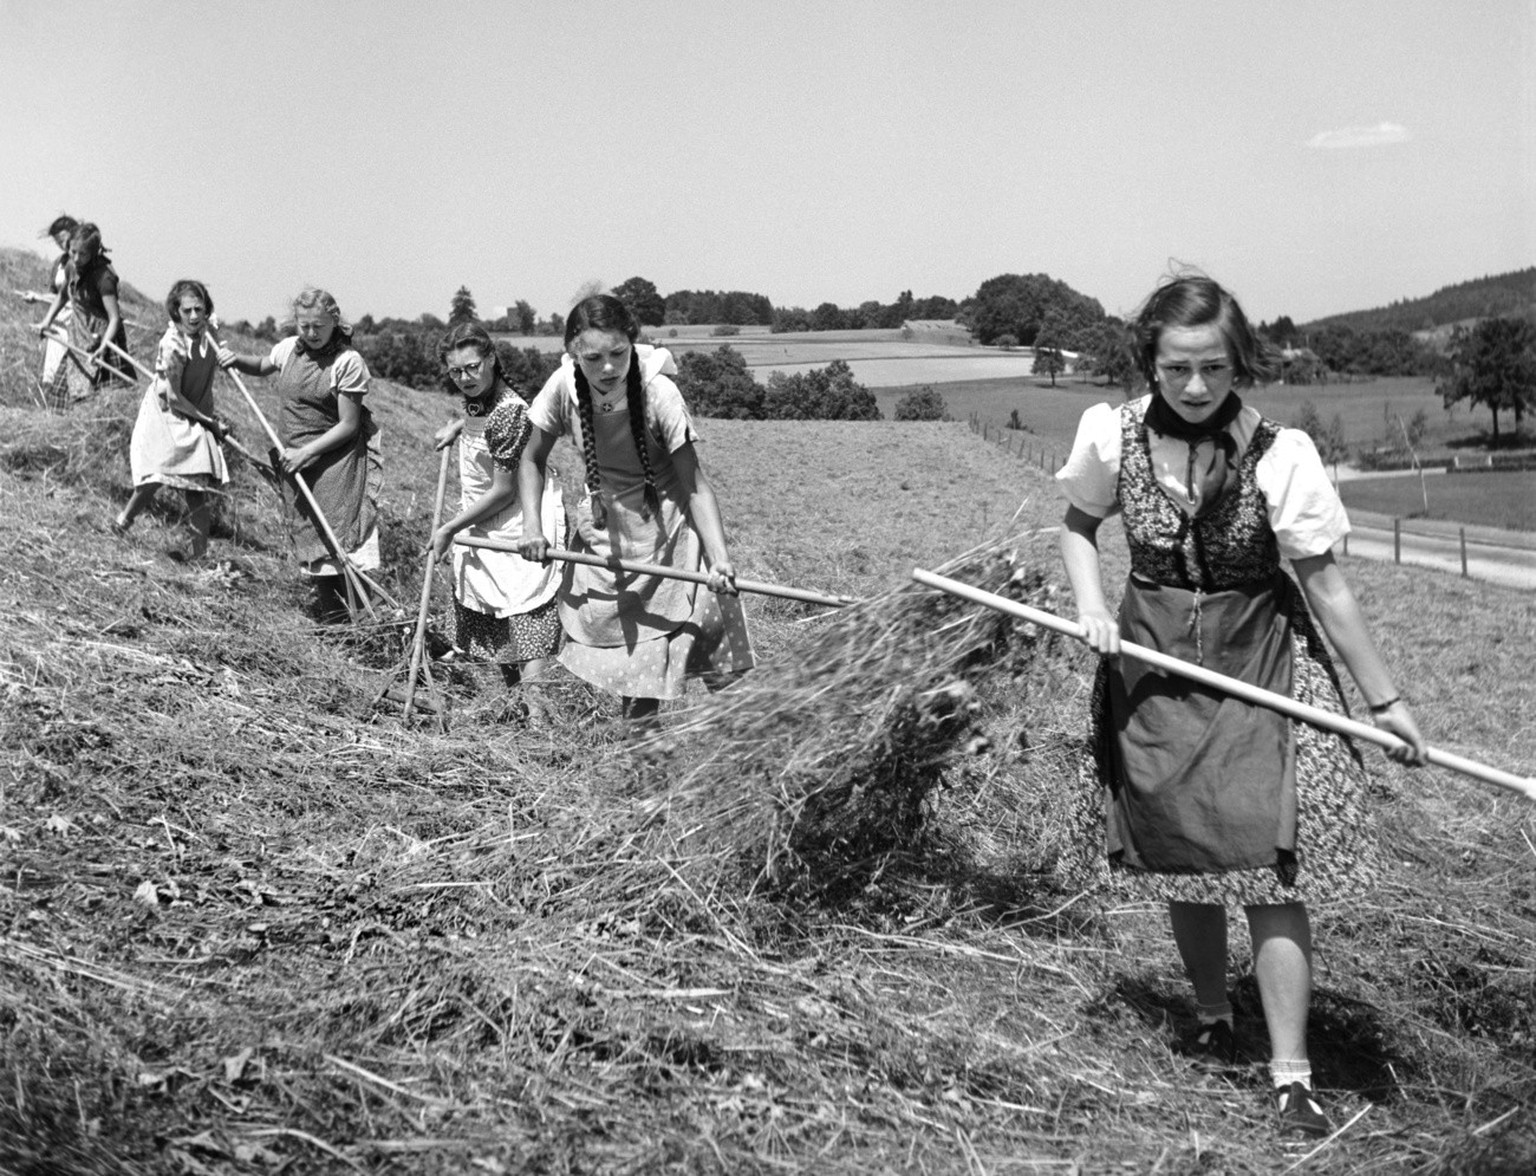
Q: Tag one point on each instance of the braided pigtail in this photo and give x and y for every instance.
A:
(589, 450)
(634, 391)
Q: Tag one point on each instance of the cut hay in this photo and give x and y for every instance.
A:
(900, 728)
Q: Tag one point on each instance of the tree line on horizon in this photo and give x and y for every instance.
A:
(1009, 310)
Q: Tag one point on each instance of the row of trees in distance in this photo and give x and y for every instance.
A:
(1009, 310)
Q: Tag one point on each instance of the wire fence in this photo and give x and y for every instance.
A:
(1476, 553)
(1020, 443)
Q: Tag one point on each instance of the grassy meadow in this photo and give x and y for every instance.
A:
(253, 922)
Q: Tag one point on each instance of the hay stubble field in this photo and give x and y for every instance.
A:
(252, 924)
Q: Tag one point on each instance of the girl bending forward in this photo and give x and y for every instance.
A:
(328, 439)
(646, 499)
(505, 609)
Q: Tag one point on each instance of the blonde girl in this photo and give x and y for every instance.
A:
(328, 438)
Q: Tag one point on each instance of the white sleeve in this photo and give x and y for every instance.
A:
(669, 413)
(548, 410)
(1092, 472)
(1304, 508)
(281, 351)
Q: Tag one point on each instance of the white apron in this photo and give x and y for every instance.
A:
(501, 583)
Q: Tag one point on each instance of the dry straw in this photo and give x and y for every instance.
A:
(825, 768)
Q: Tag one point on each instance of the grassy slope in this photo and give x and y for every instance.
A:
(373, 947)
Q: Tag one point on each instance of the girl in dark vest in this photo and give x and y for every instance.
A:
(504, 607)
(1208, 801)
(95, 322)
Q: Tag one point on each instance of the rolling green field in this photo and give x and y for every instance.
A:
(1506, 500)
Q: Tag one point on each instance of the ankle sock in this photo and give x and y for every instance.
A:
(1210, 1014)
(1284, 1071)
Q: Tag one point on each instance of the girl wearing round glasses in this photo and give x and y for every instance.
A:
(504, 607)
(1205, 800)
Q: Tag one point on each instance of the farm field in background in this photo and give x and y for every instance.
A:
(1506, 500)
(878, 358)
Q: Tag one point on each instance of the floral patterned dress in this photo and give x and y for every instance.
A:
(505, 608)
(1188, 794)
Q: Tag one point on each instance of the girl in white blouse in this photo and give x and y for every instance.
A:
(1206, 800)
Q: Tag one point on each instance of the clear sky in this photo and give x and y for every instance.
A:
(1317, 156)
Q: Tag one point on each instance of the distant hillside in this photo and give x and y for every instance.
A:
(1487, 297)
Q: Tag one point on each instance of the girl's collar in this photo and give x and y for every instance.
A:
(333, 346)
(478, 406)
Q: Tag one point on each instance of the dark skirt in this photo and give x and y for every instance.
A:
(1193, 796)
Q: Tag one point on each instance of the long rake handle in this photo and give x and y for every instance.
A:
(270, 471)
(322, 524)
(614, 563)
(1524, 785)
(149, 375)
(418, 642)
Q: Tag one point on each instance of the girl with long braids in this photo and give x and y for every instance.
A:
(646, 499)
(504, 607)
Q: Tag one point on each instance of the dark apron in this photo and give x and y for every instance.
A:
(1199, 781)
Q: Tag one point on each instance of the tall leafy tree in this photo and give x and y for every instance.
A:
(643, 299)
(463, 308)
(1020, 304)
(1494, 366)
(1048, 357)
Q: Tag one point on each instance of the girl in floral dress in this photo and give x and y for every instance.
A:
(505, 607)
(1205, 800)
(647, 500)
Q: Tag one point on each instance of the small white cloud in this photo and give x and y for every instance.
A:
(1347, 137)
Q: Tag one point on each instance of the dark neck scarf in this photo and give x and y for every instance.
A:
(334, 346)
(1211, 469)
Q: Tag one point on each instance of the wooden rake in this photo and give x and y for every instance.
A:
(644, 569)
(1523, 785)
(266, 470)
(418, 664)
(358, 583)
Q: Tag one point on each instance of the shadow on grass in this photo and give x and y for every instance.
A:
(1349, 1045)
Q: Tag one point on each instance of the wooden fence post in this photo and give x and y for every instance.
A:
(1464, 553)
(1397, 540)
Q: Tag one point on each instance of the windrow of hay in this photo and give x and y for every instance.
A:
(883, 734)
